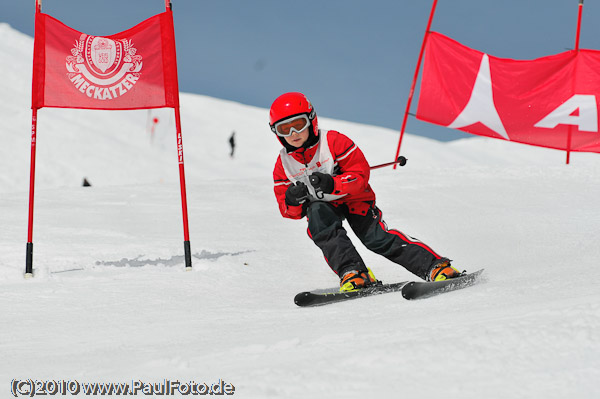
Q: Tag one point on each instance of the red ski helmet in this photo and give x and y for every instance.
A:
(292, 104)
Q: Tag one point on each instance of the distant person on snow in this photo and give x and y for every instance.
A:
(232, 143)
(324, 176)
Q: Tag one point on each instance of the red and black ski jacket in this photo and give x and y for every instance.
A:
(350, 173)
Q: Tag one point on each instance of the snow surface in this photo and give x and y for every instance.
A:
(111, 302)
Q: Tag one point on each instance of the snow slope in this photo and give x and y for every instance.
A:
(111, 301)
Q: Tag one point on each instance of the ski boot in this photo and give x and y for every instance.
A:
(355, 280)
(442, 270)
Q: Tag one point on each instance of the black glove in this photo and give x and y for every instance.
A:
(296, 194)
(322, 182)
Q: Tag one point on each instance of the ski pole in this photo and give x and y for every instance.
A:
(400, 161)
(314, 180)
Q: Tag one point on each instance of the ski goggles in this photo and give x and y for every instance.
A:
(287, 127)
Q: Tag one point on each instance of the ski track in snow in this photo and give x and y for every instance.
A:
(111, 302)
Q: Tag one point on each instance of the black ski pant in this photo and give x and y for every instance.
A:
(326, 230)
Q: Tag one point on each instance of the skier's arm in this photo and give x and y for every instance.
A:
(281, 184)
(354, 174)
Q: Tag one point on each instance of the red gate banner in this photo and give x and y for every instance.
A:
(549, 102)
(129, 70)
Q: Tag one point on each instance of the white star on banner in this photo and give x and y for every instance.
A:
(480, 107)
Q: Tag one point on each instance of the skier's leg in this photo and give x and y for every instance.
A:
(400, 248)
(325, 229)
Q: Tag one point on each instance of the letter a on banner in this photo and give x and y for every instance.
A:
(579, 110)
(134, 69)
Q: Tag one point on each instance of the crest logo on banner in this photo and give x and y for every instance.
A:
(102, 68)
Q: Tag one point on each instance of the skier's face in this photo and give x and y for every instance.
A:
(297, 139)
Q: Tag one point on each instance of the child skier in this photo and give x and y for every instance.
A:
(324, 176)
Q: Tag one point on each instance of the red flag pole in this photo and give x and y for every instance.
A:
(29, 249)
(29, 256)
(577, 34)
(578, 25)
(186, 228)
(414, 82)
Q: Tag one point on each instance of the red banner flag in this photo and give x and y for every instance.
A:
(548, 102)
(133, 69)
